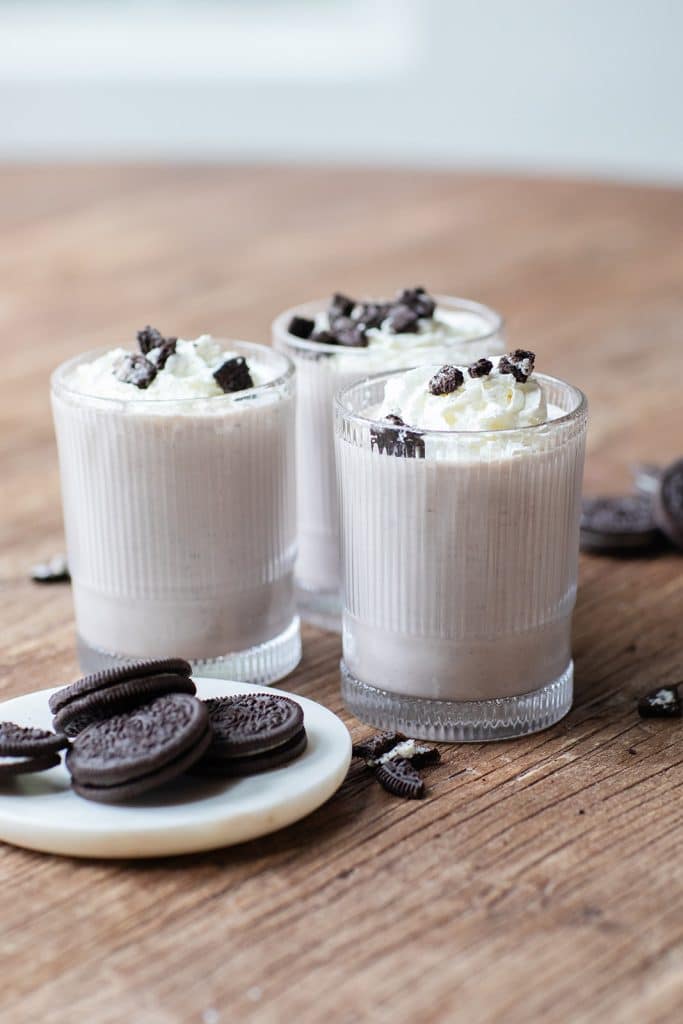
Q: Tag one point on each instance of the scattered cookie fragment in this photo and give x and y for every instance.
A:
(234, 375)
(662, 702)
(395, 760)
(55, 570)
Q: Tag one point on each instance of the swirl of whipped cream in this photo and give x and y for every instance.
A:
(494, 402)
(188, 373)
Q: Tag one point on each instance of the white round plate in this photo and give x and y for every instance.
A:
(42, 812)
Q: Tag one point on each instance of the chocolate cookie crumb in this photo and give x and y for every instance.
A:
(374, 746)
(446, 380)
(418, 300)
(481, 368)
(519, 363)
(340, 305)
(54, 571)
(408, 444)
(402, 319)
(135, 369)
(234, 375)
(149, 338)
(372, 314)
(346, 331)
(663, 702)
(162, 353)
(301, 327)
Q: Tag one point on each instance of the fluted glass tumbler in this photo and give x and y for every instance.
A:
(460, 566)
(180, 520)
(322, 369)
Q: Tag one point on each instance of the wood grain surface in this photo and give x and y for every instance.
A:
(541, 879)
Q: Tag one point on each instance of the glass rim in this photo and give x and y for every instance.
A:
(305, 344)
(58, 384)
(348, 416)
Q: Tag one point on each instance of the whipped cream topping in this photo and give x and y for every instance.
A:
(187, 373)
(433, 341)
(496, 401)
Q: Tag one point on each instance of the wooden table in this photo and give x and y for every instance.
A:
(541, 879)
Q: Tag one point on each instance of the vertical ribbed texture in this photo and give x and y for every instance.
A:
(180, 521)
(460, 568)
(320, 375)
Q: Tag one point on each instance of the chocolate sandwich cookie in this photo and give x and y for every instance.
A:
(105, 693)
(253, 733)
(25, 741)
(132, 753)
(615, 525)
(668, 503)
(24, 750)
(398, 776)
(395, 760)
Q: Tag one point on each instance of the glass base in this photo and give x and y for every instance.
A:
(467, 721)
(320, 608)
(264, 664)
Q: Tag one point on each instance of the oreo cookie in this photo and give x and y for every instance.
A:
(25, 741)
(519, 363)
(662, 702)
(56, 570)
(398, 776)
(301, 327)
(403, 443)
(372, 748)
(252, 733)
(615, 525)
(130, 754)
(106, 693)
(135, 369)
(234, 375)
(11, 766)
(668, 503)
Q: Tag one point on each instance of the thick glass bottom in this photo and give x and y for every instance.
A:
(319, 607)
(265, 663)
(470, 721)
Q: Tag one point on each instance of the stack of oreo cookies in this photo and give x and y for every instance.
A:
(135, 727)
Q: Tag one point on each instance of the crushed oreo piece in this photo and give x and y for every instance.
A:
(162, 353)
(402, 319)
(234, 375)
(135, 369)
(481, 368)
(612, 525)
(301, 327)
(668, 505)
(446, 380)
(418, 300)
(149, 338)
(663, 702)
(400, 778)
(407, 444)
(346, 331)
(380, 743)
(56, 570)
(340, 305)
(519, 363)
(372, 314)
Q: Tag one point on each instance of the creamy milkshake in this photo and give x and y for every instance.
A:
(177, 470)
(333, 344)
(460, 502)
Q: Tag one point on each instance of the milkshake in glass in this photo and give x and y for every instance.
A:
(460, 501)
(337, 342)
(177, 471)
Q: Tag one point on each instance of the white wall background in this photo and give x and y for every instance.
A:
(574, 86)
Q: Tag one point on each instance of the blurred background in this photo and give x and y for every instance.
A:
(589, 87)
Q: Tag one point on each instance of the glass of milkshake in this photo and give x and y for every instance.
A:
(337, 342)
(460, 493)
(178, 488)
